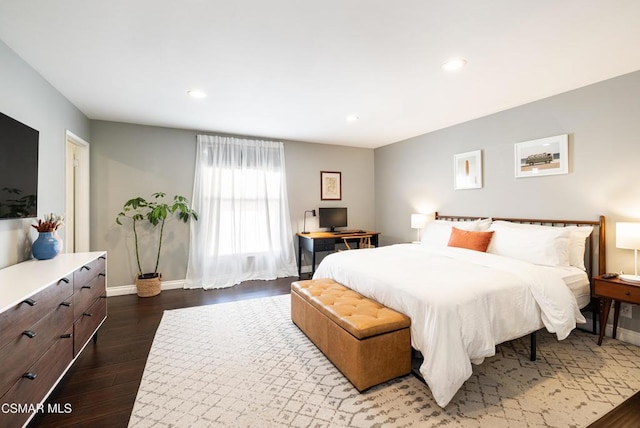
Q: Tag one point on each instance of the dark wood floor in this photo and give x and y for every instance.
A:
(626, 415)
(101, 385)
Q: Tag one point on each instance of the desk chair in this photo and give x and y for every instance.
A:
(363, 242)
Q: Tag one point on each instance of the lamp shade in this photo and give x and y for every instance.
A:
(628, 236)
(418, 221)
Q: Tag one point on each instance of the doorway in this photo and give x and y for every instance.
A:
(77, 195)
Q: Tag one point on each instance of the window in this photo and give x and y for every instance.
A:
(244, 230)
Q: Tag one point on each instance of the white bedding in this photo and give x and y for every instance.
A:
(578, 282)
(461, 302)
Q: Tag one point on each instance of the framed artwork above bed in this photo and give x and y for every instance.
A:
(545, 156)
(467, 169)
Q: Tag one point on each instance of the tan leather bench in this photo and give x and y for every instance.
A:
(368, 342)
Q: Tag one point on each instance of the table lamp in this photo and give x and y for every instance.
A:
(418, 221)
(304, 222)
(628, 237)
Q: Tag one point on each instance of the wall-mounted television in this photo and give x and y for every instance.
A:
(332, 217)
(18, 169)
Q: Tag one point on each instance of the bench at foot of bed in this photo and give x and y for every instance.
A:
(368, 342)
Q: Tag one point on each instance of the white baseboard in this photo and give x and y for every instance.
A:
(131, 289)
(623, 334)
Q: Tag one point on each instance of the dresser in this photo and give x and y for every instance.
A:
(49, 311)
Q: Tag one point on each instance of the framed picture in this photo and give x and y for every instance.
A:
(467, 169)
(546, 156)
(330, 186)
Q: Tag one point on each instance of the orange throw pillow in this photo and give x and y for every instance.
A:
(478, 241)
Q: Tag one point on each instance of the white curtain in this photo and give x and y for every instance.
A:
(244, 230)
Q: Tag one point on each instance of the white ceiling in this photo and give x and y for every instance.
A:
(294, 69)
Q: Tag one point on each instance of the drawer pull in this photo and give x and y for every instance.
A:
(67, 304)
(102, 258)
(29, 302)
(627, 293)
(29, 333)
(29, 375)
(86, 286)
(66, 336)
(85, 267)
(65, 280)
(87, 314)
(102, 274)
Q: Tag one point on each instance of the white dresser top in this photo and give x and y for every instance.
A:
(23, 280)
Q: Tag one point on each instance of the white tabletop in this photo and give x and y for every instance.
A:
(23, 280)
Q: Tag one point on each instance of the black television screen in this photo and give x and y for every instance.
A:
(18, 169)
(332, 217)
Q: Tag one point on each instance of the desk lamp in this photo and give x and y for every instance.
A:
(628, 237)
(418, 221)
(304, 222)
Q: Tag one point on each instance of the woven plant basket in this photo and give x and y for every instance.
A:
(148, 284)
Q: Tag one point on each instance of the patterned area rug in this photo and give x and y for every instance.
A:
(245, 364)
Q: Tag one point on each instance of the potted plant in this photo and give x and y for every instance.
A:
(48, 244)
(154, 212)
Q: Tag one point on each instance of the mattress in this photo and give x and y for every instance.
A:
(577, 281)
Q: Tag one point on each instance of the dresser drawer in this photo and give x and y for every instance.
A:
(89, 271)
(617, 290)
(87, 324)
(47, 370)
(87, 294)
(24, 315)
(27, 347)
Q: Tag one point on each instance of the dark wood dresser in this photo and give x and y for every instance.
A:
(49, 311)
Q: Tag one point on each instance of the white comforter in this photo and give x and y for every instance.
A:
(461, 303)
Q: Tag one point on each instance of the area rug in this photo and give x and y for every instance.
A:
(245, 364)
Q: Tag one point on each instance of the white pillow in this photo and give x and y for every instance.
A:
(577, 244)
(438, 232)
(542, 245)
(484, 224)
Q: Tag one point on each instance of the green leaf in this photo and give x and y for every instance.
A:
(155, 211)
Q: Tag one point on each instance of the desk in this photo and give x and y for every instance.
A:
(315, 242)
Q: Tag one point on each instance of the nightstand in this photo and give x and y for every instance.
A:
(619, 291)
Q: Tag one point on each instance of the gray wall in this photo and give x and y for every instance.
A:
(28, 98)
(603, 123)
(415, 175)
(134, 160)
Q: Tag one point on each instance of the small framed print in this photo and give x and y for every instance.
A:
(546, 156)
(468, 170)
(330, 186)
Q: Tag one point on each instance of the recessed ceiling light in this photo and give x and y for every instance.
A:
(352, 118)
(196, 93)
(454, 64)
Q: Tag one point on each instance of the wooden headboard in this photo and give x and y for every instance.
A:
(595, 249)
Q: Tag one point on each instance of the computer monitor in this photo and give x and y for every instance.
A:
(332, 217)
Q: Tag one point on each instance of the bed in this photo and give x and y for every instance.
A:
(462, 302)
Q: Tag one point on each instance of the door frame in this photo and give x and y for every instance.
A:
(77, 192)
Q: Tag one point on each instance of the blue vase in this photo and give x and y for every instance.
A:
(45, 247)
